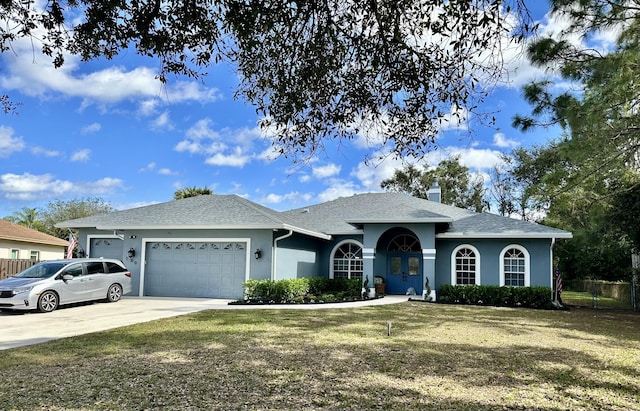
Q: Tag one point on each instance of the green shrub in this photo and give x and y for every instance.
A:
(532, 297)
(317, 284)
(300, 289)
(282, 291)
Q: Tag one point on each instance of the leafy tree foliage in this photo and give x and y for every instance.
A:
(459, 188)
(58, 211)
(314, 70)
(191, 192)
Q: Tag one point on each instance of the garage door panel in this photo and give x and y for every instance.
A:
(106, 248)
(195, 269)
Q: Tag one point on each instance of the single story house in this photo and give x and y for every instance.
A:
(18, 242)
(207, 246)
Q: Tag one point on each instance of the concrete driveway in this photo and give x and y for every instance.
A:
(25, 328)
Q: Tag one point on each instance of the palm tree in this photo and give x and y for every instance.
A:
(27, 217)
(191, 192)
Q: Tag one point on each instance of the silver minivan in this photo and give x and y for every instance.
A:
(49, 284)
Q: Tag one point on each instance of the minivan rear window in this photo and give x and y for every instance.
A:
(114, 268)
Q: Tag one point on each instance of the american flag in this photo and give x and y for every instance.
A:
(72, 244)
(558, 283)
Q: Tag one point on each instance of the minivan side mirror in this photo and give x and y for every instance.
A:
(67, 277)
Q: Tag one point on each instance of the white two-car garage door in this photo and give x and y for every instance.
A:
(213, 269)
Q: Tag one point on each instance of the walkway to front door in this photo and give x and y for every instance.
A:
(404, 271)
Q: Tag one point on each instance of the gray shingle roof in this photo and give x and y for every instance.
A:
(205, 211)
(487, 225)
(345, 215)
(341, 216)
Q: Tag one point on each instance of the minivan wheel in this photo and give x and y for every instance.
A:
(48, 302)
(114, 293)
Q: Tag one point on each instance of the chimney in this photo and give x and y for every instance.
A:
(434, 193)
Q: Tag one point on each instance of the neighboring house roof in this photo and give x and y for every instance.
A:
(345, 215)
(16, 232)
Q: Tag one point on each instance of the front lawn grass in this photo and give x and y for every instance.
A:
(438, 357)
(586, 299)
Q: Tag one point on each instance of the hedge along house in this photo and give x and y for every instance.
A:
(207, 246)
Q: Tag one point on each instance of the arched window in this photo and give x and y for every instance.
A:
(346, 260)
(465, 266)
(404, 243)
(514, 266)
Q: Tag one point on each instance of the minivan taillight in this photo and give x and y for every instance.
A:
(128, 274)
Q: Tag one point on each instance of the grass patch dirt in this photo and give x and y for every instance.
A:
(438, 357)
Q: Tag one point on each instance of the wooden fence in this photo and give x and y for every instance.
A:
(9, 267)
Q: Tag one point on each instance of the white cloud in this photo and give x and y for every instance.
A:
(149, 167)
(475, 159)
(81, 155)
(167, 172)
(294, 197)
(31, 187)
(103, 186)
(371, 175)
(8, 143)
(41, 151)
(162, 121)
(91, 128)
(339, 189)
(32, 73)
(456, 119)
(136, 204)
(148, 107)
(225, 147)
(328, 170)
(500, 140)
(181, 91)
(234, 159)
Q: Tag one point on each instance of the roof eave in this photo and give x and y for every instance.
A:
(503, 235)
(402, 221)
(304, 231)
(110, 227)
(61, 243)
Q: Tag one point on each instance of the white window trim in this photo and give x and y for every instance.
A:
(527, 264)
(453, 263)
(335, 248)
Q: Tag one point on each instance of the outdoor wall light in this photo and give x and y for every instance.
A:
(131, 253)
(258, 254)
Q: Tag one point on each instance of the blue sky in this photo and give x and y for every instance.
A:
(110, 129)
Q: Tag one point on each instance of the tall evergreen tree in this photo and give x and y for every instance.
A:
(577, 177)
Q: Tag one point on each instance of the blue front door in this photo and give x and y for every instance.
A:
(404, 271)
